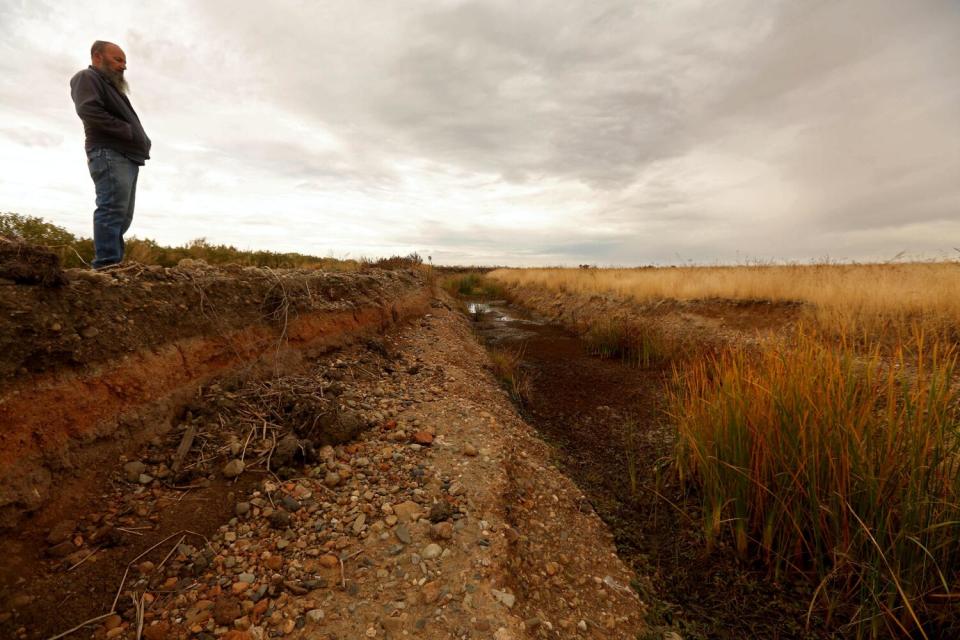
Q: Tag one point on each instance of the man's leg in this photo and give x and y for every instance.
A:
(114, 177)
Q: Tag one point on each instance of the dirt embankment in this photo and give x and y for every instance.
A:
(703, 322)
(437, 513)
(101, 361)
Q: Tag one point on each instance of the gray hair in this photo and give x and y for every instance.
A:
(99, 46)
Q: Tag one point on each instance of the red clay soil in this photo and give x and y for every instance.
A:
(96, 367)
(103, 362)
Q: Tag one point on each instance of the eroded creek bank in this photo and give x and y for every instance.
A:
(388, 487)
(608, 425)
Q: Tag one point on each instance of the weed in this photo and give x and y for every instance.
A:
(829, 461)
(473, 285)
(508, 369)
(638, 342)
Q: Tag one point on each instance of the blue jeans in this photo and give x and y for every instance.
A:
(115, 179)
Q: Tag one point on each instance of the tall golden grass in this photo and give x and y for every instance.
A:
(830, 462)
(867, 297)
(829, 450)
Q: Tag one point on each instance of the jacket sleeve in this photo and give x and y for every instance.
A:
(89, 104)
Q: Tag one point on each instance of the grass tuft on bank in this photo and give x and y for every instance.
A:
(835, 464)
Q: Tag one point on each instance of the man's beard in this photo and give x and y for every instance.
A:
(116, 79)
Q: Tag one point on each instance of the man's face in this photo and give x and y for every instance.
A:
(112, 62)
(111, 59)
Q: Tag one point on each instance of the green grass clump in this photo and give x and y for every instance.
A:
(76, 251)
(637, 342)
(473, 285)
(837, 465)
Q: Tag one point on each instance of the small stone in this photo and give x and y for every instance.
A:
(403, 534)
(247, 577)
(440, 511)
(431, 551)
(455, 489)
(328, 561)
(233, 468)
(552, 568)
(236, 634)
(133, 469)
(392, 625)
(582, 625)
(408, 511)
(469, 450)
(226, 609)
(145, 478)
(291, 504)
(61, 531)
(315, 615)
(145, 567)
(504, 597)
(423, 438)
(89, 332)
(280, 519)
(430, 592)
(332, 479)
(359, 523)
(158, 631)
(62, 550)
(242, 508)
(441, 531)
(112, 622)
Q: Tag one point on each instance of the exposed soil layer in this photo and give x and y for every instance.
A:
(94, 367)
(606, 418)
(443, 517)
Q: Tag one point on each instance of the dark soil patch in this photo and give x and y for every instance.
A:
(589, 408)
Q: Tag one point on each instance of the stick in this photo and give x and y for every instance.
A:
(126, 571)
(249, 435)
(167, 557)
(85, 558)
(185, 443)
(80, 626)
(343, 579)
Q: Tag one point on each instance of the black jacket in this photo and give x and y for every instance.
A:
(108, 117)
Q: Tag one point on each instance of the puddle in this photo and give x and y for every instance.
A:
(497, 322)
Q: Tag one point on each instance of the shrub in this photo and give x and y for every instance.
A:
(473, 285)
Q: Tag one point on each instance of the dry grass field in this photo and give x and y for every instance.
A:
(856, 297)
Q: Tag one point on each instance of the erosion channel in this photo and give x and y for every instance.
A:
(607, 422)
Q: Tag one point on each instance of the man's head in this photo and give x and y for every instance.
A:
(111, 61)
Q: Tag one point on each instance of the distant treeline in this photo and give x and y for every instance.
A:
(78, 252)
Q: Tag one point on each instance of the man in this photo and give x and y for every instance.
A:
(116, 145)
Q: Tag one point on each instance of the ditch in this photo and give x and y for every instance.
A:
(607, 423)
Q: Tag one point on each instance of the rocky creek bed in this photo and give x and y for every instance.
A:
(383, 486)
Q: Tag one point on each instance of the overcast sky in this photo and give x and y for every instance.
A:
(523, 133)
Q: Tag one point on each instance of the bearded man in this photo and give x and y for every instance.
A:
(116, 145)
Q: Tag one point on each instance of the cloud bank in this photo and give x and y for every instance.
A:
(505, 133)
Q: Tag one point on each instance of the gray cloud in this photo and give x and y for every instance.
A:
(30, 137)
(584, 131)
